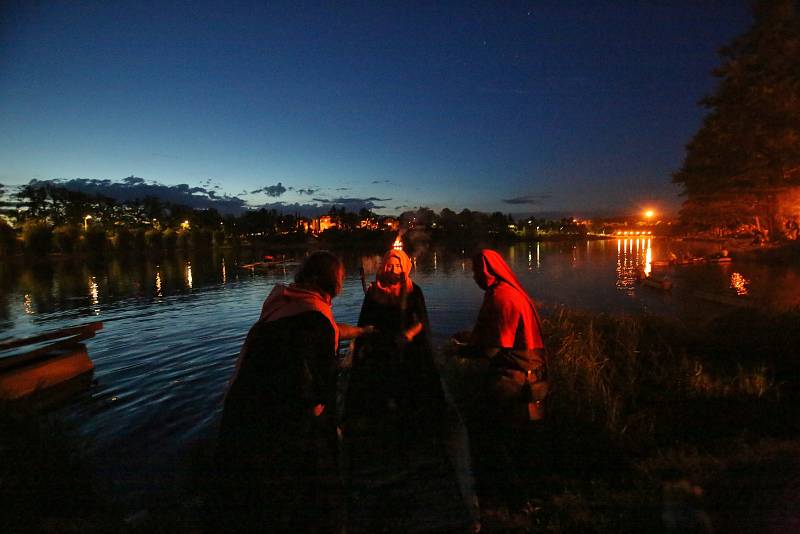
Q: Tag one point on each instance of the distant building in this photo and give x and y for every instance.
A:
(320, 224)
(390, 223)
(368, 224)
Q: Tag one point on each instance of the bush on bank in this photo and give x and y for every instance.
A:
(38, 237)
(66, 238)
(8, 239)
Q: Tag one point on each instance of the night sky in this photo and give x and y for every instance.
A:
(531, 107)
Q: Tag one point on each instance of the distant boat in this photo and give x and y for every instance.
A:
(662, 283)
(47, 367)
(721, 259)
(261, 266)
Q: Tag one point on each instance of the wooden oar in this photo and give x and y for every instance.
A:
(81, 332)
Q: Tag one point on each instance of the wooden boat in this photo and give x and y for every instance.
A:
(46, 366)
(720, 259)
(662, 283)
(261, 266)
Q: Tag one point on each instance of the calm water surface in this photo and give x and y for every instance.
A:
(173, 328)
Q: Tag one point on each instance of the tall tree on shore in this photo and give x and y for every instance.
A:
(747, 150)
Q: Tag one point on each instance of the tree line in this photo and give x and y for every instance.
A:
(50, 218)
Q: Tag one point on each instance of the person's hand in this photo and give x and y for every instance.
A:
(411, 332)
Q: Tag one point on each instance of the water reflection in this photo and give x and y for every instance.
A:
(158, 284)
(739, 283)
(189, 275)
(634, 256)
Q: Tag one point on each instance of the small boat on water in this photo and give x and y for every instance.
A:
(261, 266)
(48, 367)
(720, 259)
(657, 282)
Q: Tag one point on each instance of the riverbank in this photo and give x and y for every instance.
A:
(650, 424)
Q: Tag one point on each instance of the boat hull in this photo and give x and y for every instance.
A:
(61, 366)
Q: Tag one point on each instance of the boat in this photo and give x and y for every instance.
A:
(720, 259)
(261, 266)
(662, 283)
(48, 367)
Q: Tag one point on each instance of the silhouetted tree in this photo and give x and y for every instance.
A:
(749, 143)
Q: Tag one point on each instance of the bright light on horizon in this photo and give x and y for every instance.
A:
(649, 214)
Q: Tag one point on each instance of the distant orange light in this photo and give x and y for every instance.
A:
(649, 214)
(398, 244)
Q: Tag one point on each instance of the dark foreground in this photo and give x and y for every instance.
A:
(653, 426)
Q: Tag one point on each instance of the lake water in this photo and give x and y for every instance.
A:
(173, 327)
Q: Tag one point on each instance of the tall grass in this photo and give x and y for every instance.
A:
(623, 373)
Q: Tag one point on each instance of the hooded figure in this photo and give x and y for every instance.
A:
(276, 450)
(395, 364)
(396, 405)
(508, 317)
(508, 332)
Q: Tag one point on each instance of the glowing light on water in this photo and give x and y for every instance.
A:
(224, 274)
(739, 283)
(189, 274)
(94, 294)
(27, 304)
(435, 261)
(538, 257)
(530, 260)
(158, 284)
(634, 255)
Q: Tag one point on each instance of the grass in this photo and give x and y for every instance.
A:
(653, 425)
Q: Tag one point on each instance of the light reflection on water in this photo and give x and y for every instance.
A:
(173, 328)
(739, 283)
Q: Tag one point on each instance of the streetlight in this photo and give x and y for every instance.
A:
(86, 222)
(649, 214)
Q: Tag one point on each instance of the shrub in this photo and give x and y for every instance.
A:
(66, 238)
(8, 239)
(38, 237)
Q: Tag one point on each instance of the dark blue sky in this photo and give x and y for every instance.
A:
(514, 106)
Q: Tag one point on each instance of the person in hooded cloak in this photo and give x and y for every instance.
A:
(276, 452)
(393, 368)
(398, 417)
(508, 333)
